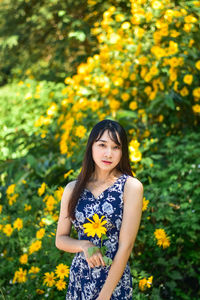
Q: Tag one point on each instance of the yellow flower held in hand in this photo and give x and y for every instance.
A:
(95, 227)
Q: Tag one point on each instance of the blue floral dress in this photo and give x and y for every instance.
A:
(85, 283)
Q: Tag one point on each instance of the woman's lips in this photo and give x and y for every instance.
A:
(106, 162)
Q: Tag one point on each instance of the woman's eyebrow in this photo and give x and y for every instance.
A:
(101, 141)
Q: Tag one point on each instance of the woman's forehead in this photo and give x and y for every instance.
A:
(108, 136)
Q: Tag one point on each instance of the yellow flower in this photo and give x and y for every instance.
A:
(133, 77)
(115, 92)
(135, 154)
(10, 189)
(80, 131)
(50, 203)
(49, 279)
(40, 233)
(27, 207)
(125, 96)
(68, 173)
(159, 233)
(196, 92)
(149, 281)
(187, 27)
(8, 229)
(157, 5)
(95, 227)
(60, 284)
(188, 79)
(153, 70)
(184, 91)
(34, 270)
(142, 284)
(126, 25)
(162, 239)
(134, 92)
(145, 204)
(62, 271)
(143, 60)
(173, 74)
(59, 192)
(20, 276)
(190, 19)
(196, 108)
(197, 65)
(1, 207)
(40, 292)
(114, 104)
(133, 105)
(163, 242)
(52, 109)
(18, 224)
(41, 190)
(148, 90)
(23, 259)
(12, 199)
(119, 17)
(35, 246)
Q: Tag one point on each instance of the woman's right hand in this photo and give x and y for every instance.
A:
(96, 260)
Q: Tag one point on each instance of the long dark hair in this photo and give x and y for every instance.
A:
(88, 165)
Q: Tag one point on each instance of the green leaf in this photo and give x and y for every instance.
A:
(104, 237)
(170, 102)
(126, 114)
(103, 250)
(61, 13)
(107, 260)
(79, 35)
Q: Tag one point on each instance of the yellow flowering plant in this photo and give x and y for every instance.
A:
(96, 226)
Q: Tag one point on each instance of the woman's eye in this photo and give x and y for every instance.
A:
(116, 147)
(102, 145)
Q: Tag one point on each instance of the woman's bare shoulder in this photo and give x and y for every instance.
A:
(68, 191)
(70, 185)
(132, 184)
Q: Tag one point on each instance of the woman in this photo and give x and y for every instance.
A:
(106, 187)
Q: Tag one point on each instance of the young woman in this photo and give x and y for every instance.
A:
(106, 187)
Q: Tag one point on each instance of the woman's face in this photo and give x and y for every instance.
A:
(106, 154)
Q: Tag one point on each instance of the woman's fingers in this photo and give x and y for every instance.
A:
(96, 260)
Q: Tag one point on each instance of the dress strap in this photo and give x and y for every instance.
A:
(123, 180)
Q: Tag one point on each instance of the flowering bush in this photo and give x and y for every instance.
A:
(146, 76)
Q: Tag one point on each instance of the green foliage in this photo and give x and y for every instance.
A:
(47, 39)
(45, 126)
(21, 104)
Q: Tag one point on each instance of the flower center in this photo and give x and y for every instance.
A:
(95, 225)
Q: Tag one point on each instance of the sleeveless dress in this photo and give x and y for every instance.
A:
(85, 283)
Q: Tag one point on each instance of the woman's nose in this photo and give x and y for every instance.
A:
(108, 152)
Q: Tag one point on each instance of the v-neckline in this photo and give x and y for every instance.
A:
(86, 189)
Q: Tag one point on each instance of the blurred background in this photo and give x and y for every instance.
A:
(65, 65)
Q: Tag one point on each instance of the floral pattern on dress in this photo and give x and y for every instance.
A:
(85, 283)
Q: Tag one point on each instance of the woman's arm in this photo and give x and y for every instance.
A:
(64, 241)
(133, 198)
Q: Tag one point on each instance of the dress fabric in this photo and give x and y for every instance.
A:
(85, 283)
